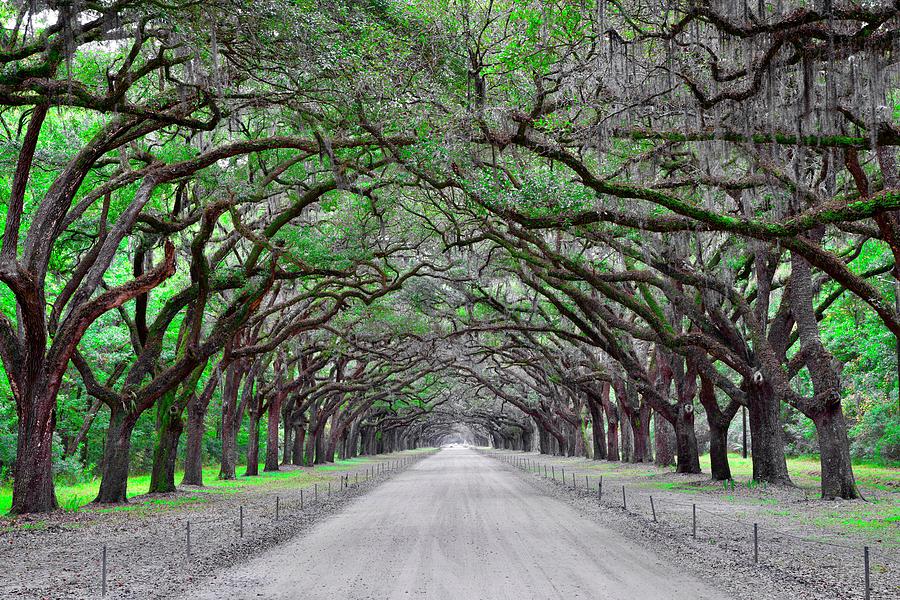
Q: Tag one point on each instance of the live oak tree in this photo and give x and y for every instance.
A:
(373, 225)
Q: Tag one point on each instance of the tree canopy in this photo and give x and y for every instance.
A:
(593, 226)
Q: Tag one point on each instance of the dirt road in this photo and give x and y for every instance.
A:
(457, 525)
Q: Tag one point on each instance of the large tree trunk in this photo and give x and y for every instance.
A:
(766, 436)
(718, 421)
(664, 437)
(527, 439)
(612, 429)
(299, 438)
(572, 435)
(834, 451)
(824, 408)
(718, 451)
(193, 452)
(624, 410)
(371, 441)
(33, 490)
(561, 440)
(627, 441)
(272, 427)
(543, 439)
(314, 445)
(229, 449)
(353, 439)
(253, 444)
(313, 426)
(231, 418)
(686, 440)
(334, 439)
(116, 457)
(643, 431)
(322, 455)
(288, 444)
(598, 436)
(165, 450)
(639, 449)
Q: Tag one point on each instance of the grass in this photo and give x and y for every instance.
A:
(877, 519)
(73, 497)
(875, 516)
(805, 471)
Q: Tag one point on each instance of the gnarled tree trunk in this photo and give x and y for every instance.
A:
(165, 449)
(686, 440)
(664, 438)
(718, 421)
(33, 489)
(272, 427)
(116, 457)
(766, 435)
(253, 442)
(598, 435)
(834, 452)
(193, 451)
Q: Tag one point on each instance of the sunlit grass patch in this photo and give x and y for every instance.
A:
(876, 516)
(151, 504)
(806, 471)
(687, 487)
(30, 526)
(77, 496)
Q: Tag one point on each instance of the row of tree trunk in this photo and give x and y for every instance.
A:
(619, 427)
(308, 436)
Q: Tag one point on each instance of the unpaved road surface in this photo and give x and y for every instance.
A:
(457, 525)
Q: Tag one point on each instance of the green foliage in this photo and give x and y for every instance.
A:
(876, 435)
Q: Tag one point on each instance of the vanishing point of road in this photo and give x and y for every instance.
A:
(462, 526)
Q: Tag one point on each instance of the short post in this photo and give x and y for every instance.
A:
(316, 490)
(103, 573)
(563, 475)
(545, 471)
(574, 484)
(356, 478)
(866, 564)
(653, 509)
(277, 508)
(553, 472)
(600, 490)
(241, 519)
(329, 488)
(587, 486)
(755, 543)
(695, 521)
(187, 527)
(301, 499)
(624, 503)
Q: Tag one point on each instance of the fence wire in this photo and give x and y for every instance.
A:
(251, 517)
(621, 497)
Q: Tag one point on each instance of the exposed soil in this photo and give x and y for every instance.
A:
(458, 526)
(797, 559)
(58, 556)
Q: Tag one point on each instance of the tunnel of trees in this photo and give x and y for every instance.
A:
(261, 233)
